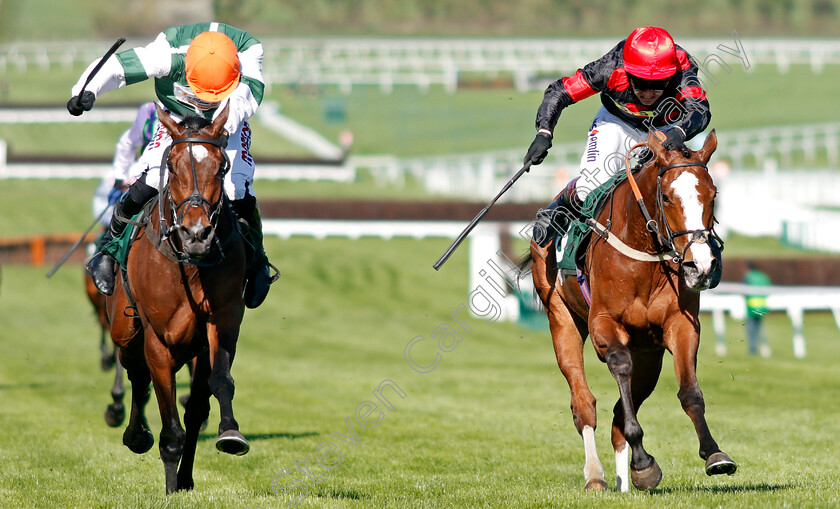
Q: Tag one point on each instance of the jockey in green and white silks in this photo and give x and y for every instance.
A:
(163, 60)
(198, 70)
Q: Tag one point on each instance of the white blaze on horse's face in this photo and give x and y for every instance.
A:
(200, 152)
(685, 187)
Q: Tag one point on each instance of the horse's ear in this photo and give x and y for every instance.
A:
(709, 146)
(654, 142)
(175, 130)
(218, 125)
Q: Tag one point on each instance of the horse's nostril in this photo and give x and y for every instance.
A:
(204, 234)
(185, 233)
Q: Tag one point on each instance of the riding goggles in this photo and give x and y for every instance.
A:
(652, 85)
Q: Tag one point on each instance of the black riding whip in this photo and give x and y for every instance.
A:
(78, 242)
(478, 217)
(95, 70)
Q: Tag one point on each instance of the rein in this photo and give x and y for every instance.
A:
(193, 200)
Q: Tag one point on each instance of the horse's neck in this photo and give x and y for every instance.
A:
(627, 218)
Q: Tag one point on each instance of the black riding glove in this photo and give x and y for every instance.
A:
(538, 149)
(674, 137)
(81, 103)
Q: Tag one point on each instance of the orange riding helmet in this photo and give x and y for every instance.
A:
(650, 54)
(212, 66)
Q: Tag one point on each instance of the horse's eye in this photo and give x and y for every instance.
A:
(665, 198)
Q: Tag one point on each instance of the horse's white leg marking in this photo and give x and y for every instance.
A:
(686, 188)
(199, 152)
(592, 469)
(622, 469)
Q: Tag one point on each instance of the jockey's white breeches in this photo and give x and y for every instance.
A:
(607, 144)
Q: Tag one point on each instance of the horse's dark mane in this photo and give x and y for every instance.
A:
(195, 122)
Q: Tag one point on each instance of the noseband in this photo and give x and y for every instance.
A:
(193, 200)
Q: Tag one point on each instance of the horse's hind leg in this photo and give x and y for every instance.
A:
(645, 374)
(195, 416)
(222, 351)
(567, 334)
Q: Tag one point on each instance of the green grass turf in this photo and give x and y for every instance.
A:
(489, 427)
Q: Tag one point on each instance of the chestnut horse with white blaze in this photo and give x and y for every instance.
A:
(641, 306)
(185, 274)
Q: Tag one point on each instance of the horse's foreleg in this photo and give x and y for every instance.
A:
(172, 435)
(196, 413)
(567, 334)
(691, 399)
(645, 374)
(222, 351)
(610, 340)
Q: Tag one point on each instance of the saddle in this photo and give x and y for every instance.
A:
(571, 253)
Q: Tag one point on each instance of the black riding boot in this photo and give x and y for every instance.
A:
(554, 220)
(101, 267)
(257, 274)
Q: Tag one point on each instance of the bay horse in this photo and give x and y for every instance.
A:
(639, 307)
(180, 297)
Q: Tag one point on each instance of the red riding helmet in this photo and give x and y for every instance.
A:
(650, 54)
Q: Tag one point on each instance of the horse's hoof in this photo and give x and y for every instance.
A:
(232, 442)
(719, 463)
(647, 478)
(185, 484)
(597, 485)
(115, 414)
(140, 443)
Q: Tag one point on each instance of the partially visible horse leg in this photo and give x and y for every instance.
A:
(172, 435)
(195, 417)
(109, 356)
(222, 351)
(115, 413)
(691, 398)
(567, 333)
(646, 369)
(610, 340)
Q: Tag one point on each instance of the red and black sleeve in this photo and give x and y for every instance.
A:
(691, 97)
(585, 82)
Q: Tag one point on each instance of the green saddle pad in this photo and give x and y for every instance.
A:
(578, 229)
(117, 248)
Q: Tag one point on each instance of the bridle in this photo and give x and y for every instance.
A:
(666, 240)
(195, 199)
